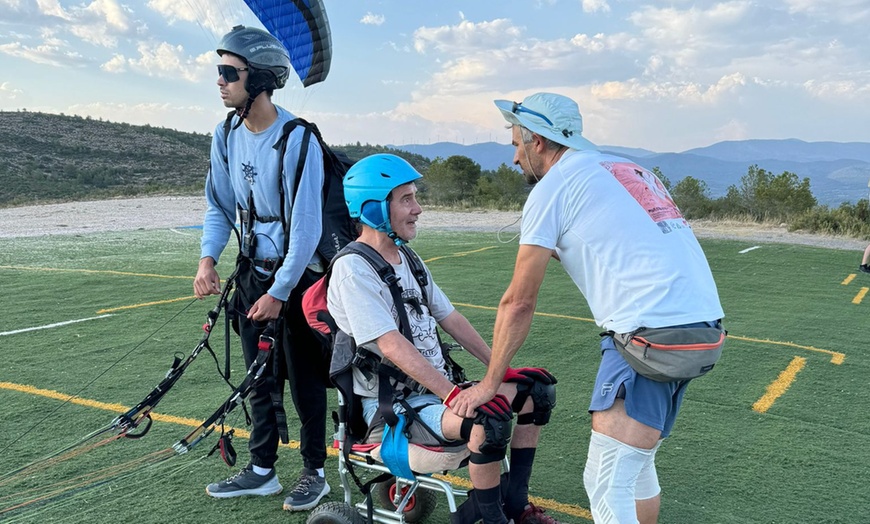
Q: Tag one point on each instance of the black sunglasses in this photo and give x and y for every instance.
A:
(518, 108)
(230, 73)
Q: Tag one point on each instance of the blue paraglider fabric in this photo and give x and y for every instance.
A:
(303, 27)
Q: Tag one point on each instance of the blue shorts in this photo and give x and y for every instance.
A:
(655, 404)
(430, 414)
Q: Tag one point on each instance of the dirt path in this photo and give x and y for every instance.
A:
(172, 212)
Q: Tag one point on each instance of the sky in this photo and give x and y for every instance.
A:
(663, 76)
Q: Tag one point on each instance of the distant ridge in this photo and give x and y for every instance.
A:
(790, 149)
(838, 171)
(54, 158)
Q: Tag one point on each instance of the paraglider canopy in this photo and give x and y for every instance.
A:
(303, 28)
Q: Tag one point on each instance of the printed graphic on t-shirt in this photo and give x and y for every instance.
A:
(650, 193)
(249, 172)
(423, 328)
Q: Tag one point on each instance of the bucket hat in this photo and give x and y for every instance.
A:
(550, 115)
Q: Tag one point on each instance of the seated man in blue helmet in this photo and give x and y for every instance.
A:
(381, 194)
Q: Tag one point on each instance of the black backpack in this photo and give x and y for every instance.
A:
(338, 228)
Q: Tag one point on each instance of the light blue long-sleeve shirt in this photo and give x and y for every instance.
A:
(252, 167)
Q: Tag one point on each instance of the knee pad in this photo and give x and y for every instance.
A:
(543, 401)
(610, 478)
(496, 437)
(647, 485)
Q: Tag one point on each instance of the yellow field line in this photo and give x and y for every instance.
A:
(848, 279)
(568, 509)
(537, 313)
(779, 386)
(836, 357)
(860, 296)
(460, 254)
(146, 304)
(94, 271)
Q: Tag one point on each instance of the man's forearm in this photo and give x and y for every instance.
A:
(512, 324)
(405, 356)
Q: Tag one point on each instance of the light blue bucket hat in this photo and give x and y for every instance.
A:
(550, 115)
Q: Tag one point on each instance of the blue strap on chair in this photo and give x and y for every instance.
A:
(394, 450)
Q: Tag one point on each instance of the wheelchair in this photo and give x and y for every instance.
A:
(372, 491)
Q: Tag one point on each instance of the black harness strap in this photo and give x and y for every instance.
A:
(254, 375)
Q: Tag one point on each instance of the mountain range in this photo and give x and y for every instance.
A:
(838, 171)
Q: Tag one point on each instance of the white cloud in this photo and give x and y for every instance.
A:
(465, 36)
(837, 90)
(216, 16)
(602, 42)
(591, 6)
(397, 47)
(52, 8)
(841, 11)
(732, 130)
(116, 64)
(672, 28)
(372, 19)
(9, 91)
(163, 114)
(162, 60)
(100, 22)
(52, 55)
(682, 93)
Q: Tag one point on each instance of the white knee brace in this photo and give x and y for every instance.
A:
(647, 485)
(611, 478)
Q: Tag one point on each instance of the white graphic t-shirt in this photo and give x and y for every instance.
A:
(362, 307)
(623, 242)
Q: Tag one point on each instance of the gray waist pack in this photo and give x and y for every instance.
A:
(671, 353)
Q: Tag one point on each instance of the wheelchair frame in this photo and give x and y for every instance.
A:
(360, 459)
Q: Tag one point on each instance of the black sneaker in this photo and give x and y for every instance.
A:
(245, 482)
(864, 267)
(310, 488)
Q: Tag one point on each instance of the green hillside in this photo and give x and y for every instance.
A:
(55, 158)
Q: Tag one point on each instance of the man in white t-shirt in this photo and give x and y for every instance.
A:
(381, 194)
(627, 247)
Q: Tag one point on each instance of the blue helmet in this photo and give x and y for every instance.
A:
(367, 185)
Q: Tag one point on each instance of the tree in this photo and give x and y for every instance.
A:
(503, 188)
(453, 180)
(691, 196)
(765, 197)
(661, 176)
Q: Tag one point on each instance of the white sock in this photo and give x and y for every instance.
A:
(262, 471)
(320, 472)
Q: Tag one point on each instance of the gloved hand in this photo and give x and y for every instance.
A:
(528, 375)
(498, 408)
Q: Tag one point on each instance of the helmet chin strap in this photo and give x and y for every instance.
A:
(396, 240)
(254, 88)
(243, 112)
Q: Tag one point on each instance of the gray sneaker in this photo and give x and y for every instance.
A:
(245, 482)
(310, 488)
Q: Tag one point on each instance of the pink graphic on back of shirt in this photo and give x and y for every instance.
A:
(650, 193)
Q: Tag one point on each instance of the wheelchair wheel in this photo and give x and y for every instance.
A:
(334, 513)
(421, 505)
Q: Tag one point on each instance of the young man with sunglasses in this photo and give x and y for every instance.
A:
(627, 247)
(277, 261)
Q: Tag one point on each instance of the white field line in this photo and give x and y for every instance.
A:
(49, 326)
(748, 249)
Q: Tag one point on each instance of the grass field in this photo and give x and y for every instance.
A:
(777, 433)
